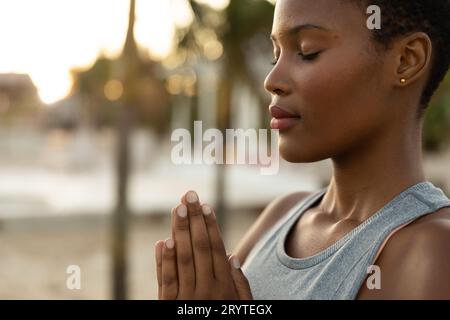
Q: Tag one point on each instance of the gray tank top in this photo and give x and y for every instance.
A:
(338, 272)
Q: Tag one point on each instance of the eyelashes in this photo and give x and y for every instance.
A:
(309, 57)
(305, 57)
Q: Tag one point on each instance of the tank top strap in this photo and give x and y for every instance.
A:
(336, 272)
(292, 214)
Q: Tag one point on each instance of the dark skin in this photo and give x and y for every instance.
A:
(195, 266)
(354, 110)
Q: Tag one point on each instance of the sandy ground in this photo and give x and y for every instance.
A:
(34, 255)
(35, 252)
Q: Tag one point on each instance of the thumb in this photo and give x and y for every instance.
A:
(240, 281)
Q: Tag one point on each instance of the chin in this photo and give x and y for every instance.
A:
(299, 153)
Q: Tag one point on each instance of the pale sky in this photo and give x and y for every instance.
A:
(47, 38)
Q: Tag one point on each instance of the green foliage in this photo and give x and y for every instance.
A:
(150, 101)
(93, 80)
(436, 134)
(243, 29)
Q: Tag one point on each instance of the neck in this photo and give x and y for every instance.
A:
(367, 178)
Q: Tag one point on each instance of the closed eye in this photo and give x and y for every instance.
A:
(305, 57)
(309, 57)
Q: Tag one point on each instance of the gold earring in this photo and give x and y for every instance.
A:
(403, 80)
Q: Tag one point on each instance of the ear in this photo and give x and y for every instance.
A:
(413, 57)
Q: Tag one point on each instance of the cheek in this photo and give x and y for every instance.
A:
(336, 89)
(337, 100)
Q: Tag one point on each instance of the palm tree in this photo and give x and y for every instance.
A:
(143, 102)
(128, 69)
(244, 21)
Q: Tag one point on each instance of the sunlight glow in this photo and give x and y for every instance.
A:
(48, 38)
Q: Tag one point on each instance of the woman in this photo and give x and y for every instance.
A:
(339, 90)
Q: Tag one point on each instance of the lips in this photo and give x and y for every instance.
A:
(282, 119)
(280, 113)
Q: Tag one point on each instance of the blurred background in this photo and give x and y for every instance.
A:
(90, 92)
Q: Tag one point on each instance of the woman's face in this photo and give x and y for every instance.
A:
(330, 75)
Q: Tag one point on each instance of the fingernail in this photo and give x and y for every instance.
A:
(182, 211)
(169, 243)
(191, 197)
(236, 263)
(206, 210)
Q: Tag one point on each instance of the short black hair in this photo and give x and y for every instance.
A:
(403, 17)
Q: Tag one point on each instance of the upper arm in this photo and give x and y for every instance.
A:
(415, 262)
(274, 211)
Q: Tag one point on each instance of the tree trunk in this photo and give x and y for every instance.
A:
(223, 122)
(120, 215)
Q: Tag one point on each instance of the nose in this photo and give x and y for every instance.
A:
(276, 81)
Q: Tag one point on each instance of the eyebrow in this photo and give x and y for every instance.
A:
(296, 29)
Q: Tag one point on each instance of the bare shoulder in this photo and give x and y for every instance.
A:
(274, 211)
(414, 263)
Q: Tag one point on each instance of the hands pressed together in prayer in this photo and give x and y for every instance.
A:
(193, 263)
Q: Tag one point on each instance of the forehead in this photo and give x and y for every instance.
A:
(339, 16)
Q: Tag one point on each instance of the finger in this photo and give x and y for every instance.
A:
(221, 267)
(201, 247)
(240, 281)
(169, 271)
(185, 260)
(158, 257)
